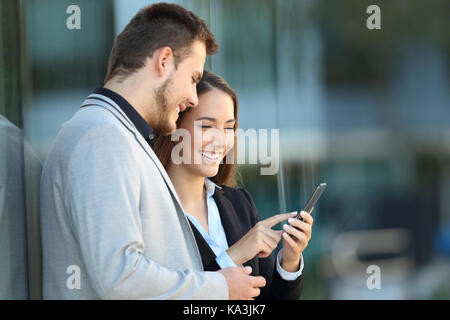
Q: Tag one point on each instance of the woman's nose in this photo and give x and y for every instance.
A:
(218, 139)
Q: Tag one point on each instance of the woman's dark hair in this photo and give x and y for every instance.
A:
(163, 145)
(154, 27)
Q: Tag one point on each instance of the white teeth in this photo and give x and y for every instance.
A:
(211, 156)
(178, 109)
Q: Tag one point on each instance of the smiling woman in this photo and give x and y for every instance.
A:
(224, 219)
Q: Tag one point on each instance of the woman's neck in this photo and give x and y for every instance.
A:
(189, 187)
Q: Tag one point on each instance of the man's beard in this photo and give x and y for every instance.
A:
(164, 126)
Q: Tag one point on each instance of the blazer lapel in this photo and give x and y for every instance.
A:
(207, 254)
(230, 222)
(228, 216)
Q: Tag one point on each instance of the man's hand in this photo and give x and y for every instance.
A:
(242, 286)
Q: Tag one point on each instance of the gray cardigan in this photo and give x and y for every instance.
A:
(112, 224)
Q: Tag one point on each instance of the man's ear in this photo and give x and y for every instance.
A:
(163, 60)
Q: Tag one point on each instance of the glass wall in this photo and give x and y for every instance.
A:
(366, 111)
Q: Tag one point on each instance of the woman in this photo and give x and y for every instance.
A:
(224, 219)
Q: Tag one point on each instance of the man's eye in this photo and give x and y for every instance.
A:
(229, 128)
(206, 127)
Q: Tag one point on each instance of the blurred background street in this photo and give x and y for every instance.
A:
(366, 111)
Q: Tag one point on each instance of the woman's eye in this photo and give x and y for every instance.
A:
(205, 126)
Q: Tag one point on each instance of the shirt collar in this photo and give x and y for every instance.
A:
(141, 125)
(210, 187)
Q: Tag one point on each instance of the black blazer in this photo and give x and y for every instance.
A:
(238, 215)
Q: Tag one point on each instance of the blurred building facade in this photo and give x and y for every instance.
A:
(367, 111)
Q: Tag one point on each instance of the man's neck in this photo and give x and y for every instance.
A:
(131, 92)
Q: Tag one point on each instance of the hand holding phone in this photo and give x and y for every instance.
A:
(297, 234)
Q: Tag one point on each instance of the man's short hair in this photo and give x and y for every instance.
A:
(154, 27)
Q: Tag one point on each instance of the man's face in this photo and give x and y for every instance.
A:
(179, 91)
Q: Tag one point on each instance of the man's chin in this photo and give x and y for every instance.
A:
(167, 129)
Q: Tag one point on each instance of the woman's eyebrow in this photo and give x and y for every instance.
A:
(213, 120)
(206, 118)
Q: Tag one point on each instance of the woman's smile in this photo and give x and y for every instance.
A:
(211, 156)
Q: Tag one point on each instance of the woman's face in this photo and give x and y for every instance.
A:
(211, 129)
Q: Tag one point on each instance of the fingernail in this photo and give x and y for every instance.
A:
(294, 213)
(291, 220)
(286, 226)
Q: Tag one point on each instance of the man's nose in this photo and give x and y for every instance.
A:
(193, 99)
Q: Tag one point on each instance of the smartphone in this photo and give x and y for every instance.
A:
(313, 200)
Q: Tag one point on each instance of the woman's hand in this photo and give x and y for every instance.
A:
(296, 237)
(260, 240)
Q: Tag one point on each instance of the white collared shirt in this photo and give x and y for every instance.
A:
(217, 240)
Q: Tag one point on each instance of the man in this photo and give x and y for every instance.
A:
(112, 223)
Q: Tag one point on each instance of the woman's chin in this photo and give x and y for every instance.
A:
(209, 171)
